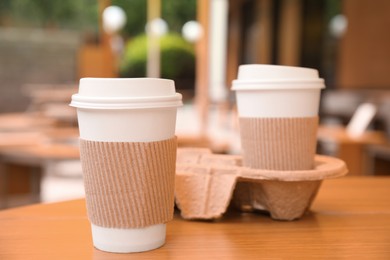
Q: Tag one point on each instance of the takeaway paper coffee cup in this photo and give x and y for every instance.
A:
(278, 112)
(128, 154)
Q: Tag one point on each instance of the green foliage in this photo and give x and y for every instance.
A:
(71, 14)
(174, 12)
(136, 15)
(177, 58)
(83, 14)
(178, 12)
(134, 60)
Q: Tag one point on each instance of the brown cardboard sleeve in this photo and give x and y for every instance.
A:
(129, 184)
(279, 143)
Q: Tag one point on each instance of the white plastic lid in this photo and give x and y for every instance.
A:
(126, 93)
(260, 76)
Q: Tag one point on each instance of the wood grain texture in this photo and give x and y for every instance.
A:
(352, 150)
(350, 219)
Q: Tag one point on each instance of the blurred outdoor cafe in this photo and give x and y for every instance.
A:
(47, 46)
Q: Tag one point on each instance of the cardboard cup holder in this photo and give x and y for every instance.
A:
(207, 183)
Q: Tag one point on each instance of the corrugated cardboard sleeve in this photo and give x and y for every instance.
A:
(279, 143)
(129, 184)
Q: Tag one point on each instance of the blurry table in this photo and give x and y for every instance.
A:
(350, 219)
(52, 101)
(24, 122)
(23, 156)
(352, 150)
(18, 139)
(21, 170)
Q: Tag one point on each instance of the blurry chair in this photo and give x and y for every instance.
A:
(338, 106)
(361, 150)
(378, 160)
(384, 113)
(378, 156)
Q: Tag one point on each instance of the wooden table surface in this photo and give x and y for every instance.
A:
(352, 150)
(24, 121)
(340, 135)
(350, 219)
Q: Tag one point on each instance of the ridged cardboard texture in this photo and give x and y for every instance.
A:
(279, 143)
(129, 184)
(282, 144)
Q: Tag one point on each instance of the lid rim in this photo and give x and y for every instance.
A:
(278, 84)
(280, 80)
(125, 106)
(126, 102)
(276, 87)
(98, 99)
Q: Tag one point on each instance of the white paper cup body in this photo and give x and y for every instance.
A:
(277, 91)
(127, 110)
(126, 125)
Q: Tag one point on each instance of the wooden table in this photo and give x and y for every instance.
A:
(23, 156)
(350, 219)
(352, 150)
(24, 121)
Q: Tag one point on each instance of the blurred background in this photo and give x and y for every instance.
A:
(46, 46)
